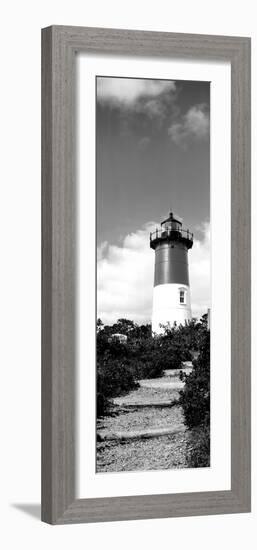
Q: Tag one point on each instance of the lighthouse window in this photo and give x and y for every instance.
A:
(182, 296)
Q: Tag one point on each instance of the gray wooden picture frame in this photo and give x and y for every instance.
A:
(59, 47)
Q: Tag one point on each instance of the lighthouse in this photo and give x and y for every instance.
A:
(171, 293)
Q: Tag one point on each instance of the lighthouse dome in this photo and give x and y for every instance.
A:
(172, 223)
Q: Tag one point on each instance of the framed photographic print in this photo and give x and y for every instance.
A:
(145, 275)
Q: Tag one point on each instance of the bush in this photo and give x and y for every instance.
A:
(195, 397)
(114, 378)
(198, 447)
(195, 400)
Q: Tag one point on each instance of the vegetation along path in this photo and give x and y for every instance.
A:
(146, 429)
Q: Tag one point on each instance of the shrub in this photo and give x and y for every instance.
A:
(195, 397)
(195, 400)
(198, 447)
(114, 378)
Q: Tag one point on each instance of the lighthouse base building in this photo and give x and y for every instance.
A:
(171, 293)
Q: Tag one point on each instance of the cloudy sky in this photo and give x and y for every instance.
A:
(152, 147)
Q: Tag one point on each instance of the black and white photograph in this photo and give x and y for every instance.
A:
(126, 264)
(153, 274)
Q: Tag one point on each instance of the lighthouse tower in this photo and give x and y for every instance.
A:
(171, 293)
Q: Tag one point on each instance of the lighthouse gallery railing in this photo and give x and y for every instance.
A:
(162, 233)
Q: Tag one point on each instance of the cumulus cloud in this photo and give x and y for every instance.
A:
(128, 91)
(194, 125)
(199, 271)
(125, 277)
(101, 250)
